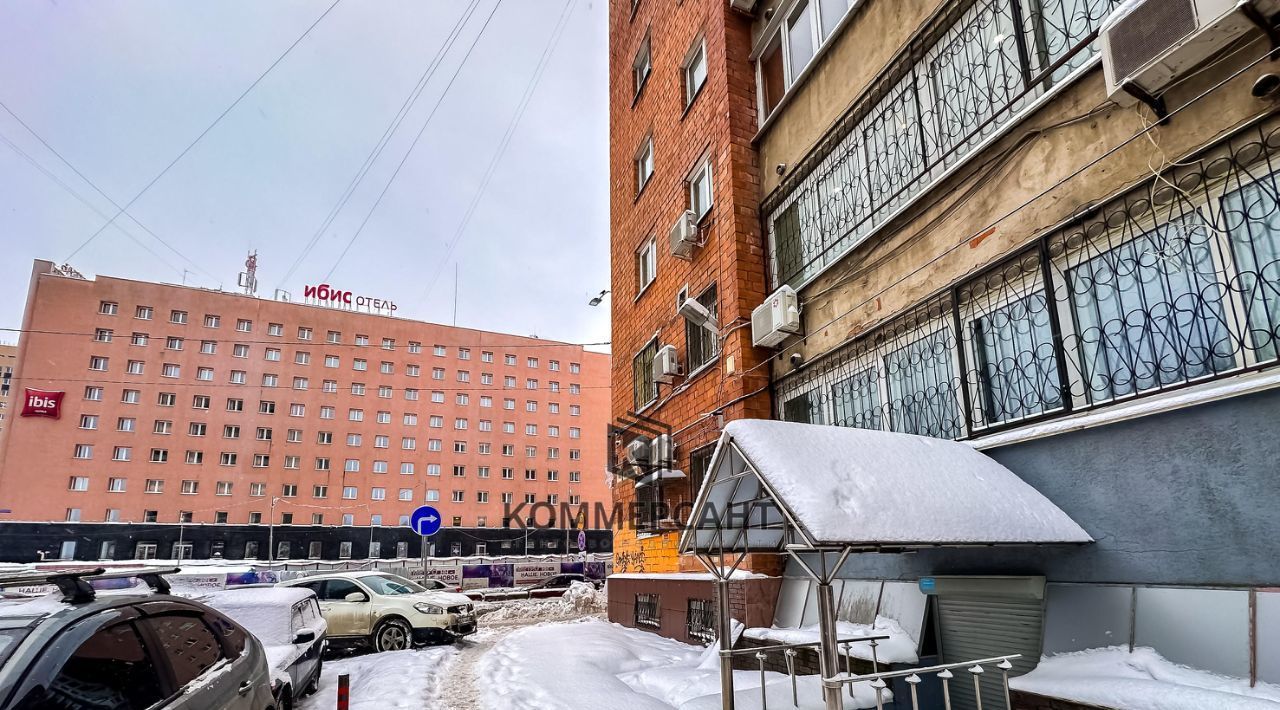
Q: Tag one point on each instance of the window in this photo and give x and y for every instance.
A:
(304, 334)
(261, 460)
(93, 394)
(641, 68)
(644, 388)
(222, 488)
(238, 377)
(410, 419)
(301, 383)
(292, 462)
(380, 441)
(194, 457)
(322, 491)
(329, 386)
(200, 401)
(644, 164)
(486, 356)
(88, 421)
(266, 407)
(270, 380)
(695, 72)
(99, 363)
(351, 466)
(357, 389)
(272, 354)
(384, 391)
(139, 339)
(294, 436)
(378, 493)
(360, 364)
(486, 401)
(331, 361)
(126, 424)
(78, 483)
(646, 264)
(240, 350)
(244, 326)
(178, 317)
(162, 426)
(227, 458)
(412, 370)
(204, 374)
(386, 368)
(109, 308)
(159, 456)
(647, 608)
(408, 443)
(327, 412)
(700, 197)
(379, 466)
(702, 342)
(773, 77)
(208, 347)
(384, 417)
(276, 329)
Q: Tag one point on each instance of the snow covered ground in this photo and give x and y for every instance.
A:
(898, 648)
(1142, 680)
(555, 654)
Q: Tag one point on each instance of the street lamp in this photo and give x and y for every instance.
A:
(598, 299)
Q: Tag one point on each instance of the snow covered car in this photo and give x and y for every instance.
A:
(291, 628)
(127, 649)
(554, 586)
(389, 612)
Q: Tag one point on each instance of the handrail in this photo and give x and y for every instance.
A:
(784, 646)
(850, 678)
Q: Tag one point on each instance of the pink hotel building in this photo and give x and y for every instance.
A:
(186, 405)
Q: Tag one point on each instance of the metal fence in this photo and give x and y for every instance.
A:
(946, 674)
(973, 69)
(1174, 283)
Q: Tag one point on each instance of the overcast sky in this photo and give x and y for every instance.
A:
(120, 87)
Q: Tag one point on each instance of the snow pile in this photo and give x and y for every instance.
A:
(593, 664)
(849, 485)
(578, 600)
(392, 680)
(898, 648)
(1142, 680)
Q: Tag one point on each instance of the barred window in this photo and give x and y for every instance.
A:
(702, 343)
(644, 388)
(647, 610)
(700, 621)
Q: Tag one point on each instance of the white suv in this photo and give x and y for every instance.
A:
(388, 611)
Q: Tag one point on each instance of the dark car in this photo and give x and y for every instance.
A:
(288, 622)
(129, 649)
(553, 586)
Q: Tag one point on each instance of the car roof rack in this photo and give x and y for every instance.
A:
(76, 585)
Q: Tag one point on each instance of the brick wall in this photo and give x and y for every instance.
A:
(751, 601)
(719, 123)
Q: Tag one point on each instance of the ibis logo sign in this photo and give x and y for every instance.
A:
(42, 403)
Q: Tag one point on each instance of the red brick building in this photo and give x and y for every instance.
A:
(190, 405)
(682, 116)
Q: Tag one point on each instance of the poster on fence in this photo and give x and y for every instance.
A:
(534, 572)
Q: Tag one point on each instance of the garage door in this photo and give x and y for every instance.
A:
(1000, 620)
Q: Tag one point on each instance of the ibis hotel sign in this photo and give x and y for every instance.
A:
(326, 295)
(42, 403)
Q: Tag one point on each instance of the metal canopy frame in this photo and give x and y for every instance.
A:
(714, 546)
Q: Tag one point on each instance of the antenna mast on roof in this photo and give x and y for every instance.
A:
(249, 277)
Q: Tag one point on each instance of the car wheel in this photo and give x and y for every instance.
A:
(314, 685)
(392, 635)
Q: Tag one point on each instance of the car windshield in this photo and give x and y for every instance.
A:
(391, 585)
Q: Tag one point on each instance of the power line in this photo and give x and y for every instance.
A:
(387, 134)
(99, 190)
(414, 144)
(203, 133)
(71, 191)
(556, 33)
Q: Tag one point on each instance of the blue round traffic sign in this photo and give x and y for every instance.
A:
(425, 520)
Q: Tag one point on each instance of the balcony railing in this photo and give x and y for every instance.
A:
(978, 66)
(1173, 284)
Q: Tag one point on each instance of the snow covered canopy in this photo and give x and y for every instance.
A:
(771, 484)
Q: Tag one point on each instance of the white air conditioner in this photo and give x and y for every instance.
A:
(1148, 44)
(638, 450)
(776, 319)
(747, 6)
(666, 365)
(684, 235)
(662, 452)
(695, 313)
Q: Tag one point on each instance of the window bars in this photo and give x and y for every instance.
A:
(647, 610)
(1174, 283)
(976, 67)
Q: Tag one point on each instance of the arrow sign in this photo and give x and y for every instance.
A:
(425, 520)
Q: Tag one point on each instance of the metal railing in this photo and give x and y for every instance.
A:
(1173, 283)
(912, 676)
(788, 650)
(976, 66)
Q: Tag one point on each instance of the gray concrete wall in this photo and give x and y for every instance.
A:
(1189, 497)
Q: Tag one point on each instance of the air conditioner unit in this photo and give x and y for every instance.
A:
(776, 319)
(1148, 44)
(695, 312)
(662, 452)
(638, 450)
(666, 365)
(684, 235)
(747, 6)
